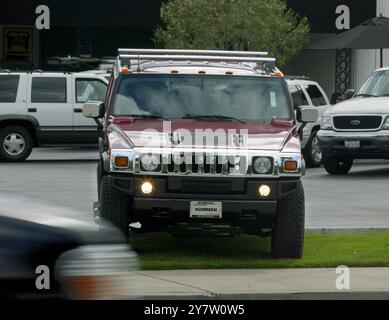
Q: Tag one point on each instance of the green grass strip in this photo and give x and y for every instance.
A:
(164, 252)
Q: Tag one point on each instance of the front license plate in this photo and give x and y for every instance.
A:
(354, 144)
(206, 209)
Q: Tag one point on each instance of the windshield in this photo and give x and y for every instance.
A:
(376, 86)
(198, 96)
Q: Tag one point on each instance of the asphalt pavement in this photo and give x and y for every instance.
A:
(67, 177)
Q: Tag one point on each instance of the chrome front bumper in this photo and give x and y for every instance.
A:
(373, 144)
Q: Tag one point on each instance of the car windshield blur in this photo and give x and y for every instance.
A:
(202, 97)
(376, 86)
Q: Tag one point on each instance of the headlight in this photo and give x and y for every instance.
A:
(97, 272)
(326, 122)
(386, 124)
(150, 162)
(262, 165)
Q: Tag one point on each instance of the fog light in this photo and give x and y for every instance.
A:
(264, 191)
(147, 188)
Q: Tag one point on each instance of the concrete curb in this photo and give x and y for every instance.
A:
(344, 230)
(277, 296)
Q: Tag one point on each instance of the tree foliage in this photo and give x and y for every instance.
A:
(257, 25)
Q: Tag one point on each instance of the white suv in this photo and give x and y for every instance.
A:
(45, 109)
(306, 92)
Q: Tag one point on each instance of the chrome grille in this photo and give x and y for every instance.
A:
(212, 168)
(201, 163)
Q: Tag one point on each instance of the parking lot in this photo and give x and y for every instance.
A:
(66, 177)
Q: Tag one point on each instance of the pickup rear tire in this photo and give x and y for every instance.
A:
(337, 166)
(287, 240)
(114, 205)
(16, 144)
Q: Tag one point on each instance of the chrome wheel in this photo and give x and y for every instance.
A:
(316, 153)
(14, 144)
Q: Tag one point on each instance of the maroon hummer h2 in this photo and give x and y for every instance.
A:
(201, 143)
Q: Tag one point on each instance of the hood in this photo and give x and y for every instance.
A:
(361, 106)
(264, 135)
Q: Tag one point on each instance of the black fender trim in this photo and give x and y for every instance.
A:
(24, 118)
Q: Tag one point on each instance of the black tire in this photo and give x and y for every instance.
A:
(26, 144)
(99, 175)
(337, 166)
(114, 206)
(313, 157)
(287, 240)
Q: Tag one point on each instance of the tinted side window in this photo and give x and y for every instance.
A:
(298, 96)
(90, 89)
(8, 88)
(316, 96)
(48, 90)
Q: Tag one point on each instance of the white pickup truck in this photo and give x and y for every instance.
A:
(357, 128)
(45, 109)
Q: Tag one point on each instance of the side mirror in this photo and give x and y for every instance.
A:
(349, 94)
(94, 109)
(307, 114)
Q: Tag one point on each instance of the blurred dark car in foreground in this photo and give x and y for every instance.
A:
(83, 260)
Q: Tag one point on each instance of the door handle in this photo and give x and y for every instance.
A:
(32, 110)
(77, 110)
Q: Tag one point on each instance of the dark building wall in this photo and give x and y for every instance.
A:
(322, 15)
(128, 13)
(104, 41)
(146, 13)
(130, 23)
(59, 41)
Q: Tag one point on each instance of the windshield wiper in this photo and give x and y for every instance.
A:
(366, 95)
(147, 116)
(212, 117)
